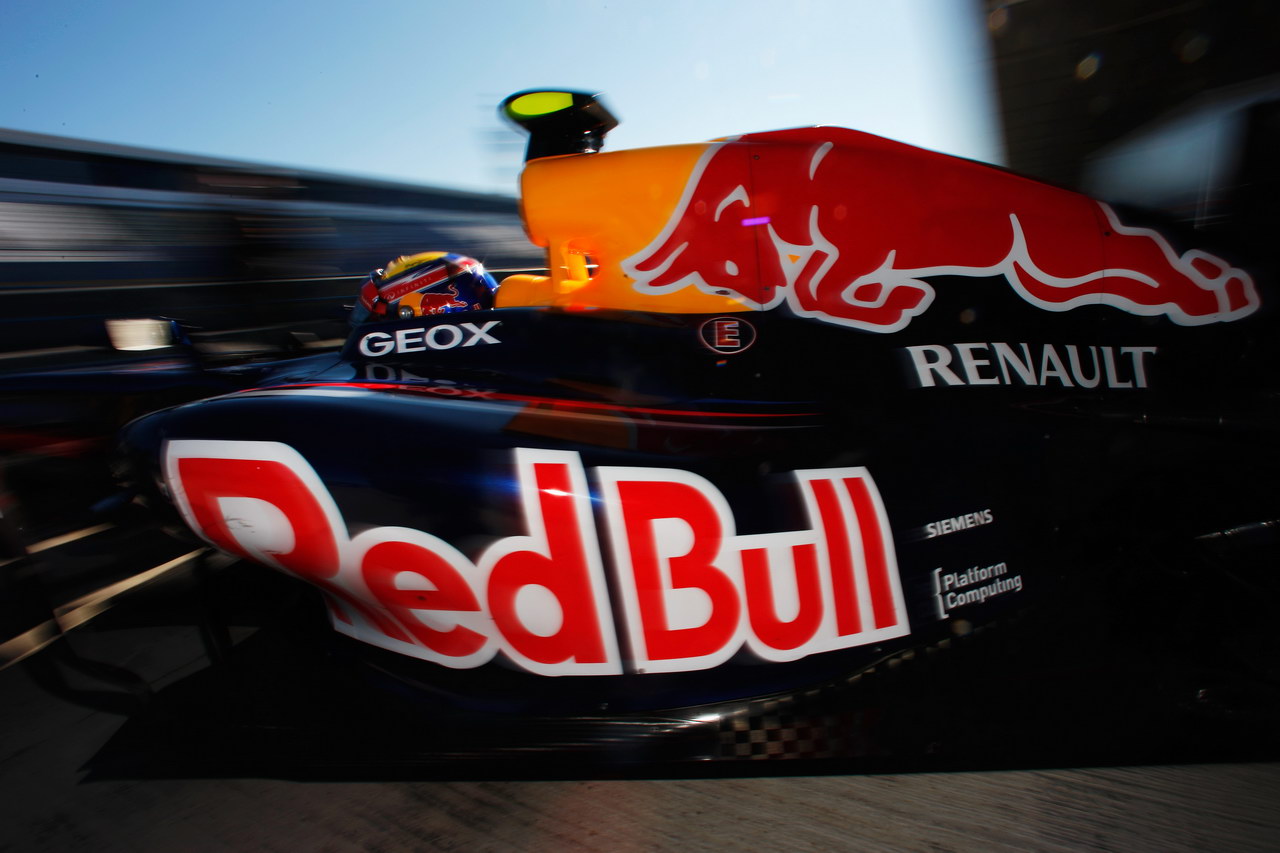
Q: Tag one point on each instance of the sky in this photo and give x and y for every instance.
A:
(407, 90)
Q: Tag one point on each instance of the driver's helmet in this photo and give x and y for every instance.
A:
(423, 284)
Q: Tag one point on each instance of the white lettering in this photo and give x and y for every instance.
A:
(409, 340)
(1113, 381)
(376, 343)
(925, 367)
(958, 589)
(960, 522)
(971, 364)
(420, 339)
(1074, 357)
(1018, 366)
(1051, 365)
(481, 334)
(1026, 372)
(1139, 369)
(453, 333)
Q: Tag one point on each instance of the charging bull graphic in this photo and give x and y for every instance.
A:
(844, 227)
(426, 303)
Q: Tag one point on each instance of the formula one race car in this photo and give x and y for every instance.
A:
(809, 444)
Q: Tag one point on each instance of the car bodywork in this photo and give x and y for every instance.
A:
(787, 409)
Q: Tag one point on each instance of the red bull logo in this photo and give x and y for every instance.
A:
(845, 227)
(426, 303)
(691, 591)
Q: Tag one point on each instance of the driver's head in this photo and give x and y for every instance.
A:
(423, 284)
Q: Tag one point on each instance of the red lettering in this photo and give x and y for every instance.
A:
(692, 590)
(444, 590)
(844, 587)
(762, 608)
(208, 482)
(879, 583)
(208, 477)
(562, 558)
(670, 534)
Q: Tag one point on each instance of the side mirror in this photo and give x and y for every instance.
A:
(559, 122)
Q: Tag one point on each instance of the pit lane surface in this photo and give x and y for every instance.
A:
(47, 804)
(1209, 807)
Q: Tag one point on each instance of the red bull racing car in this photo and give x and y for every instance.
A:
(809, 445)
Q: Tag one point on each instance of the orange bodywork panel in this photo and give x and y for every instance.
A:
(602, 209)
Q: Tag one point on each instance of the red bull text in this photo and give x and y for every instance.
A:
(692, 592)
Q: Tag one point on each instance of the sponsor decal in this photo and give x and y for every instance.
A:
(423, 338)
(976, 585)
(428, 303)
(727, 335)
(960, 522)
(844, 227)
(692, 592)
(1069, 366)
(392, 292)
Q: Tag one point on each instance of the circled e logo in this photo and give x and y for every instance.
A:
(727, 335)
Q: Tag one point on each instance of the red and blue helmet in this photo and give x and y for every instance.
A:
(424, 284)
